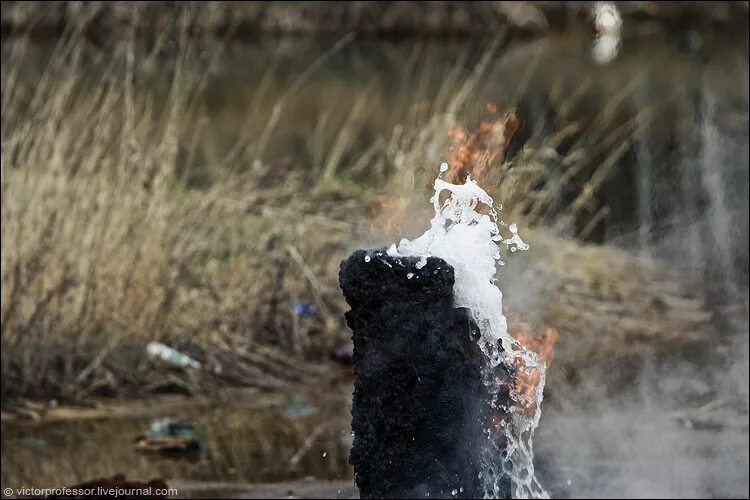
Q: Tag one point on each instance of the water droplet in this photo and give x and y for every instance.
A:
(409, 276)
(454, 492)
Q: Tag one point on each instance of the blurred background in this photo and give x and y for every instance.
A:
(180, 182)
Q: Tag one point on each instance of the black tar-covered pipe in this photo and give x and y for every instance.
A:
(420, 410)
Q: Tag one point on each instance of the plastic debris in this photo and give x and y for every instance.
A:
(172, 356)
(168, 436)
(298, 407)
(304, 309)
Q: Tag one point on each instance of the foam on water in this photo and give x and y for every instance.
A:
(465, 233)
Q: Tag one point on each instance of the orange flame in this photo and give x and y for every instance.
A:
(526, 379)
(467, 153)
(476, 153)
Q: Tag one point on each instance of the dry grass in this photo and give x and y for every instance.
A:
(108, 243)
(104, 248)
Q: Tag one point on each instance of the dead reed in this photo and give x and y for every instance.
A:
(109, 241)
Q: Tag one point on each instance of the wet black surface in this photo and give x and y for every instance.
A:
(420, 407)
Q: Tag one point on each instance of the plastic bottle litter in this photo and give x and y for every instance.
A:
(171, 356)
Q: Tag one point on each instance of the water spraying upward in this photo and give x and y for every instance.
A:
(465, 232)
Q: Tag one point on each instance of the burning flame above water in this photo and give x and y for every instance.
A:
(476, 153)
(541, 344)
(464, 232)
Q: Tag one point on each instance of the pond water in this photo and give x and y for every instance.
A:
(271, 439)
(301, 443)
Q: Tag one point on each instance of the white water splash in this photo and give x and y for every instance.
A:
(464, 232)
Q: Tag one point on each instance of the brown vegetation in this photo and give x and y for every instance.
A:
(107, 244)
